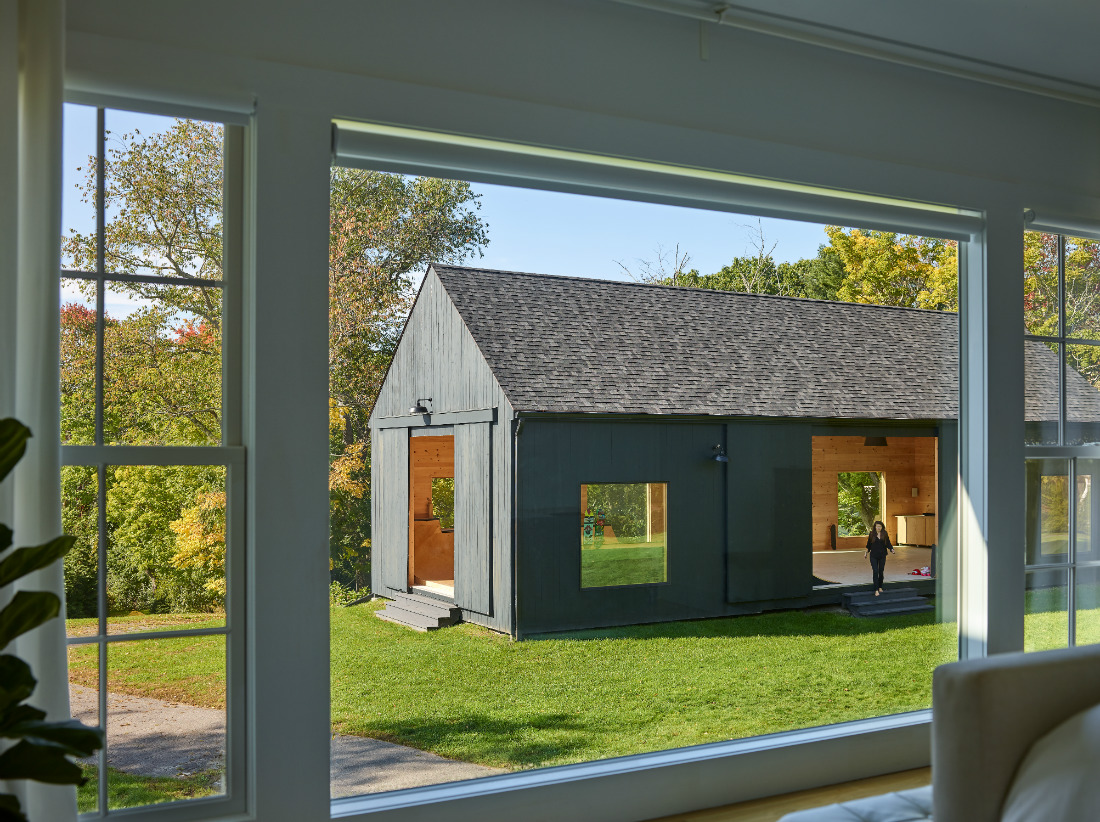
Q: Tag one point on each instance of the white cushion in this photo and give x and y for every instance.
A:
(1058, 778)
(903, 806)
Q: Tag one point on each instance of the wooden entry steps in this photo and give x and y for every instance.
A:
(891, 601)
(420, 612)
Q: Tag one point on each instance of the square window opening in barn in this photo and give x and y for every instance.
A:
(432, 514)
(624, 534)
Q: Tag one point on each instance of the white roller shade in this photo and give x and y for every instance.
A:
(411, 151)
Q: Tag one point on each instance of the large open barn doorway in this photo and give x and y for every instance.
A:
(859, 479)
(432, 513)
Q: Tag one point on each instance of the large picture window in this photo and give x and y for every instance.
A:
(624, 534)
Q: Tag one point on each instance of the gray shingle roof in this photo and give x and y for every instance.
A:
(570, 344)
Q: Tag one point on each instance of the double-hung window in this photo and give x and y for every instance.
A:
(152, 477)
(1062, 437)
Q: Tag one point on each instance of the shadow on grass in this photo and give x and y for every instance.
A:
(506, 743)
(776, 623)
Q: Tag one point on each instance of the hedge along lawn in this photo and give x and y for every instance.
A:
(469, 694)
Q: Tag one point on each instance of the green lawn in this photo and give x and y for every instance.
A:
(129, 791)
(188, 669)
(469, 694)
(625, 565)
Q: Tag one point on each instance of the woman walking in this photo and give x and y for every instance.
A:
(878, 543)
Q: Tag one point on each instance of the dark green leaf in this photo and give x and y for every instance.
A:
(40, 762)
(10, 811)
(17, 715)
(13, 442)
(72, 736)
(26, 611)
(5, 537)
(26, 560)
(16, 681)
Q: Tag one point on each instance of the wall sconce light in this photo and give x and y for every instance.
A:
(420, 407)
(871, 442)
(720, 454)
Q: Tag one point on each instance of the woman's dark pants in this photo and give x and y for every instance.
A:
(878, 568)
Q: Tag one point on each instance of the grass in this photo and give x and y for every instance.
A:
(468, 694)
(126, 790)
(185, 669)
(625, 565)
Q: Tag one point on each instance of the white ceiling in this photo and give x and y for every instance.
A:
(1045, 44)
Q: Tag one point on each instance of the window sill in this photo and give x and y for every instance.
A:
(662, 783)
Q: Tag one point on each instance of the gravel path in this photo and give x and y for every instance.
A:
(157, 738)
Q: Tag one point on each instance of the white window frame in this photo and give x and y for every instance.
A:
(1070, 454)
(230, 454)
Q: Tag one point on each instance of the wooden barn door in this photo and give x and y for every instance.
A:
(472, 524)
(390, 510)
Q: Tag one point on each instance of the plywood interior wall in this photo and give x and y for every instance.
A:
(431, 552)
(908, 462)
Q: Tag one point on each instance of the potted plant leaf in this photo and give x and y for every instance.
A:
(36, 749)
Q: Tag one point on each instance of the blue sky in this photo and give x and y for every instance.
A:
(540, 231)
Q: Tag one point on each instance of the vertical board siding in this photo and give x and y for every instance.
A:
(390, 510)
(438, 358)
(770, 517)
(554, 459)
(473, 500)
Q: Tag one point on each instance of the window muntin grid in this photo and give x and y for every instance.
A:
(101, 454)
(1060, 311)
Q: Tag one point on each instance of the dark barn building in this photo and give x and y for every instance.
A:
(626, 453)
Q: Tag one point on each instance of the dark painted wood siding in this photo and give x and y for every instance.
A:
(438, 358)
(555, 457)
(473, 495)
(770, 511)
(390, 510)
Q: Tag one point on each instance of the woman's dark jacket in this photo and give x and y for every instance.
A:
(878, 547)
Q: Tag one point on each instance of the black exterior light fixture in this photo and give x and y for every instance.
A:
(720, 454)
(420, 407)
(871, 442)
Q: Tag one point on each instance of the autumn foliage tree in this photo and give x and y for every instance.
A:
(163, 359)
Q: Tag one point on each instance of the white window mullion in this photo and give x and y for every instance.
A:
(991, 433)
(285, 433)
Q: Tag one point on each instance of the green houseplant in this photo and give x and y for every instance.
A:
(36, 749)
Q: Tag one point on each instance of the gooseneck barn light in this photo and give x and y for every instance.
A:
(420, 408)
(720, 454)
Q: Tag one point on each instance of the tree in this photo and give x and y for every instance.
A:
(885, 268)
(755, 273)
(858, 502)
(164, 208)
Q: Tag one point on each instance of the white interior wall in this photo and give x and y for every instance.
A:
(601, 78)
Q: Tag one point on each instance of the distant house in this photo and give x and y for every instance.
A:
(626, 453)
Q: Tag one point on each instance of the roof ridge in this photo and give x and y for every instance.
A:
(683, 288)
